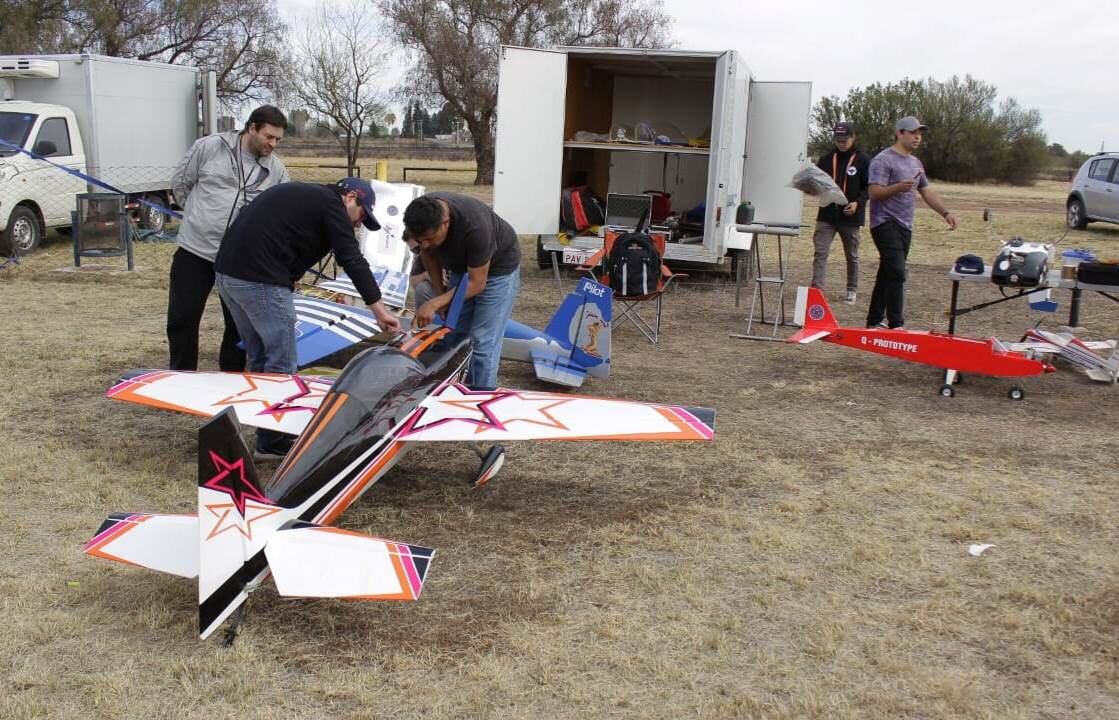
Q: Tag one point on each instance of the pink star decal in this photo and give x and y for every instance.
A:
(263, 389)
(230, 479)
(458, 403)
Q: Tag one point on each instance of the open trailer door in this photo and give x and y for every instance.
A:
(728, 138)
(529, 154)
(776, 147)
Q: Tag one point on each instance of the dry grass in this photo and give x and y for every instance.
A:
(811, 563)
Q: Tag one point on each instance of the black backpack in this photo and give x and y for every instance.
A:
(634, 265)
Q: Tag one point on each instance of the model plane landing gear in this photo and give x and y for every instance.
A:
(1016, 393)
(492, 460)
(947, 391)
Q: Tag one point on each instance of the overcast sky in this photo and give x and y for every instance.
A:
(1061, 58)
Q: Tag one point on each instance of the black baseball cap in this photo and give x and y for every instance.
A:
(365, 196)
(842, 129)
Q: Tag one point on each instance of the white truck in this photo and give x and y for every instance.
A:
(729, 139)
(125, 122)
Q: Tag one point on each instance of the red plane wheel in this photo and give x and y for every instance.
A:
(1016, 393)
(947, 391)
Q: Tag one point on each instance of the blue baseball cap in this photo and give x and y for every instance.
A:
(365, 196)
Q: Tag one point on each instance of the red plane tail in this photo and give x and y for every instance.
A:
(818, 322)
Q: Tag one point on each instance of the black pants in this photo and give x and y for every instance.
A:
(887, 302)
(192, 278)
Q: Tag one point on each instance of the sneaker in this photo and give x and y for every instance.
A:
(881, 324)
(850, 297)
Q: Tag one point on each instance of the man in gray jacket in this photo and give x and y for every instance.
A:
(220, 175)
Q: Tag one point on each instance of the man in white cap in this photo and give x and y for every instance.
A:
(896, 176)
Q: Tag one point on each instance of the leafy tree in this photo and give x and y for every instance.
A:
(242, 42)
(1058, 150)
(457, 44)
(340, 57)
(969, 139)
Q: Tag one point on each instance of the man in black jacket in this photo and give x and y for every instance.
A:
(268, 248)
(849, 167)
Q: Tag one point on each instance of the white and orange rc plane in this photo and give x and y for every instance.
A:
(350, 432)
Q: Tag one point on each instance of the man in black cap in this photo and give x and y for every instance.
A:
(273, 242)
(848, 166)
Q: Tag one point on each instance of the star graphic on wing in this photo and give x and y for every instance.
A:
(514, 407)
(458, 403)
(279, 394)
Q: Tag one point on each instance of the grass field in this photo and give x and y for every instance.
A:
(810, 563)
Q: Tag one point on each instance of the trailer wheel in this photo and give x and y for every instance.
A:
(947, 391)
(24, 232)
(150, 218)
(1016, 393)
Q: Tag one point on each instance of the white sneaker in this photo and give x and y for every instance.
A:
(850, 297)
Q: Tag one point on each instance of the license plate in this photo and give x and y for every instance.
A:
(575, 256)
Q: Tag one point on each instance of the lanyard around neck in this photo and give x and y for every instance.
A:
(834, 167)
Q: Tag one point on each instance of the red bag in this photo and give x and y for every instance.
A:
(579, 209)
(662, 208)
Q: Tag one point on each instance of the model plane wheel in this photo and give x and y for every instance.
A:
(947, 391)
(1016, 393)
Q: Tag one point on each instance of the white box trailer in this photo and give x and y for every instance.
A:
(757, 132)
(126, 122)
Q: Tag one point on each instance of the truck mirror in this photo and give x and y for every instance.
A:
(45, 148)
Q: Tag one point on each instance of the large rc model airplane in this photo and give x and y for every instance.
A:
(350, 432)
(575, 344)
(954, 354)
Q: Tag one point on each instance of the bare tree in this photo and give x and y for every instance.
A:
(242, 42)
(458, 43)
(340, 59)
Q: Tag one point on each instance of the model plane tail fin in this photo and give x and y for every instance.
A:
(235, 519)
(309, 560)
(582, 322)
(814, 315)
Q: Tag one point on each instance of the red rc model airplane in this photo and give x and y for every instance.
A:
(954, 354)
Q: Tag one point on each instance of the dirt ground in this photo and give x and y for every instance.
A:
(812, 562)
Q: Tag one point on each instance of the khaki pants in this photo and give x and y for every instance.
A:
(822, 240)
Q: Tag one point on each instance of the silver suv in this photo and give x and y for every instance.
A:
(1095, 192)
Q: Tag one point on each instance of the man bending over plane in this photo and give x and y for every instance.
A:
(273, 242)
(466, 237)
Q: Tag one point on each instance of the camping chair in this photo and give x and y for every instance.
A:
(632, 307)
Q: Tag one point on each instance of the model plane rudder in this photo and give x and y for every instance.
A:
(817, 321)
(587, 330)
(235, 520)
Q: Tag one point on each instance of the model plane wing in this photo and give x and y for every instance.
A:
(271, 401)
(323, 328)
(458, 413)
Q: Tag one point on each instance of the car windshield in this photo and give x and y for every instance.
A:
(14, 129)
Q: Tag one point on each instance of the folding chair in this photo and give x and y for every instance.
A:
(632, 307)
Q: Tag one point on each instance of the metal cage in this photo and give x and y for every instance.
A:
(101, 227)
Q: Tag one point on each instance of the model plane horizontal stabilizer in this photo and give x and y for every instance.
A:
(551, 366)
(309, 560)
(167, 543)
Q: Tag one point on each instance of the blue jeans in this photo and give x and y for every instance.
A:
(265, 318)
(484, 317)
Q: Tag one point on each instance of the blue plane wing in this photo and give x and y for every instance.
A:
(323, 328)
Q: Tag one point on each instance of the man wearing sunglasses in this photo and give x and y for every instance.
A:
(896, 177)
(269, 247)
